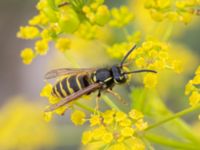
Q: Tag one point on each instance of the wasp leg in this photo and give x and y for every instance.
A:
(119, 98)
(97, 100)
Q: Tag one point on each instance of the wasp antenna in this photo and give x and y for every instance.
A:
(126, 56)
(139, 71)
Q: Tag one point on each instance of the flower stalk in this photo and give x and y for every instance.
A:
(177, 115)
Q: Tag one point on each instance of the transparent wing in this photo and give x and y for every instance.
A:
(67, 71)
(74, 96)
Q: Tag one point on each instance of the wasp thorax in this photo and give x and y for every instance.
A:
(104, 76)
(118, 75)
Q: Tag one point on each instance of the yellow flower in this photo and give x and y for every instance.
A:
(61, 111)
(192, 89)
(198, 71)
(78, 117)
(120, 116)
(28, 32)
(135, 114)
(140, 62)
(196, 80)
(46, 34)
(46, 91)
(86, 137)
(138, 144)
(194, 98)
(141, 125)
(41, 47)
(121, 17)
(53, 100)
(186, 17)
(97, 13)
(157, 16)
(41, 4)
(48, 116)
(108, 117)
(27, 55)
(189, 87)
(125, 123)
(102, 15)
(120, 130)
(40, 19)
(118, 146)
(150, 80)
(118, 50)
(172, 10)
(99, 132)
(95, 120)
(107, 137)
(127, 132)
(87, 31)
(63, 44)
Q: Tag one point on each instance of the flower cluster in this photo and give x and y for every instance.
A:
(151, 55)
(113, 128)
(192, 89)
(178, 10)
(59, 22)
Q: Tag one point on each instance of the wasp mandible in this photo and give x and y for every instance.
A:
(83, 81)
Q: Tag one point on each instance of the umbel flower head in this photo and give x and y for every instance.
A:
(152, 55)
(58, 21)
(113, 129)
(192, 89)
(178, 10)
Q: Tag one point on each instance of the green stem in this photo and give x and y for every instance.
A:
(109, 102)
(85, 107)
(179, 114)
(171, 142)
(168, 32)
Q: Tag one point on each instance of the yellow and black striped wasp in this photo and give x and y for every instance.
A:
(82, 81)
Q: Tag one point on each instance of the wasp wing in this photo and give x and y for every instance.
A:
(67, 71)
(74, 96)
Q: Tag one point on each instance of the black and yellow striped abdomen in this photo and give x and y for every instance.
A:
(70, 85)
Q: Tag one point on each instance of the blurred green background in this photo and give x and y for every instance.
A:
(21, 122)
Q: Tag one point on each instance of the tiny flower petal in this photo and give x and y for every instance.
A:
(78, 117)
(27, 55)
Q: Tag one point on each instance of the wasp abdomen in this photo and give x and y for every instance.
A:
(70, 85)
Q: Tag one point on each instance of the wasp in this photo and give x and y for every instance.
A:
(83, 81)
